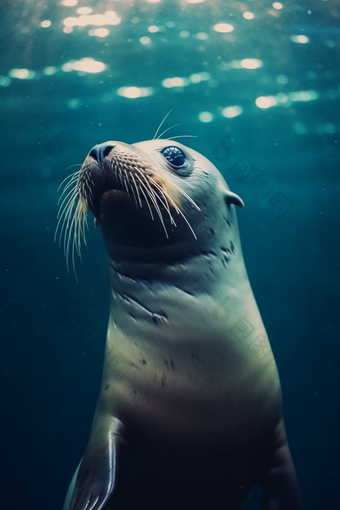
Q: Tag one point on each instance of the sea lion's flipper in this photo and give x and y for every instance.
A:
(97, 475)
(70, 489)
(280, 486)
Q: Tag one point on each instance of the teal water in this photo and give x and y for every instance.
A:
(258, 85)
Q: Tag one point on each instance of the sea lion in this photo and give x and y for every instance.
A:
(189, 413)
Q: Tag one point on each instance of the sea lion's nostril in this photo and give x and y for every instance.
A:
(100, 151)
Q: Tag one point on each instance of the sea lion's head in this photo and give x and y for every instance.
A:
(152, 200)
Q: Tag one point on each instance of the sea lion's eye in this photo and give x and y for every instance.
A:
(175, 157)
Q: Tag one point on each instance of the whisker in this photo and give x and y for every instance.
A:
(62, 214)
(71, 166)
(120, 174)
(159, 212)
(182, 192)
(67, 186)
(178, 210)
(152, 216)
(68, 222)
(63, 199)
(137, 190)
(152, 196)
(68, 238)
(125, 177)
(68, 177)
(149, 178)
(134, 194)
(164, 202)
(161, 124)
(175, 125)
(181, 136)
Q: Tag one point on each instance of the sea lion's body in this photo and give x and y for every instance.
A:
(189, 413)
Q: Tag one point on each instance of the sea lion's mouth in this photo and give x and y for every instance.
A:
(100, 188)
(113, 199)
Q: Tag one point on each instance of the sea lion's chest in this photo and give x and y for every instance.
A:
(192, 379)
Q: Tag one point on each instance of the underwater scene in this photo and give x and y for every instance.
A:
(170, 254)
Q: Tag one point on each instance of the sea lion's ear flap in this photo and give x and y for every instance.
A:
(232, 198)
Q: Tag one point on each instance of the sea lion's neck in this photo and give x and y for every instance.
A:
(148, 297)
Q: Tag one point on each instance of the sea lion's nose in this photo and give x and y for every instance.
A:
(100, 151)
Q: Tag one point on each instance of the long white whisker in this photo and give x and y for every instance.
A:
(66, 202)
(67, 187)
(181, 136)
(173, 203)
(159, 212)
(120, 175)
(71, 176)
(182, 192)
(187, 222)
(125, 177)
(68, 223)
(65, 198)
(82, 225)
(137, 190)
(159, 136)
(147, 201)
(164, 201)
(161, 124)
(68, 238)
(71, 166)
(178, 210)
(62, 215)
(152, 196)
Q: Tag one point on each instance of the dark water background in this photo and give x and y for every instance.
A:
(50, 369)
